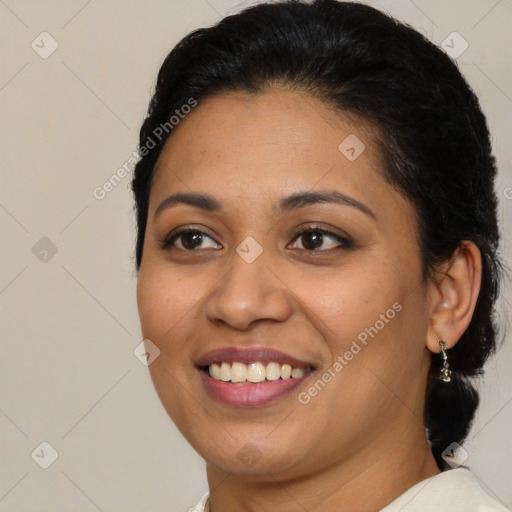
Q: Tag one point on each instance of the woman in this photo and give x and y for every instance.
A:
(317, 254)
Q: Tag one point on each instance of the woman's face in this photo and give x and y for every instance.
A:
(342, 304)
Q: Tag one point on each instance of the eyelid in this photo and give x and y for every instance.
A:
(319, 226)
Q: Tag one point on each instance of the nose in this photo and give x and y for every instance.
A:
(248, 294)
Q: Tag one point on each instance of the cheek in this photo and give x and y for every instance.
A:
(165, 301)
(352, 304)
(374, 330)
(373, 321)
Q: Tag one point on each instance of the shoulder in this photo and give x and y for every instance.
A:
(454, 490)
(457, 490)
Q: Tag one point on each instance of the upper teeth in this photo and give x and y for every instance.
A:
(254, 372)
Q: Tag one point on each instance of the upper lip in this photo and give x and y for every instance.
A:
(248, 356)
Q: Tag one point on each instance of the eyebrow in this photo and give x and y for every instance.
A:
(285, 205)
(301, 199)
(198, 200)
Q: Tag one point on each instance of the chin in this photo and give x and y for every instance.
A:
(251, 462)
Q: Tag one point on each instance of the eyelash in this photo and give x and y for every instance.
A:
(345, 243)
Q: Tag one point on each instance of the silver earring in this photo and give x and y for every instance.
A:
(445, 374)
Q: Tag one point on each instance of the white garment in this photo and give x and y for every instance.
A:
(200, 506)
(455, 490)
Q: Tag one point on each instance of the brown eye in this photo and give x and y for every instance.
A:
(191, 240)
(188, 240)
(313, 239)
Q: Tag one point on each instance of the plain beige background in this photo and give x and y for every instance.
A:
(69, 322)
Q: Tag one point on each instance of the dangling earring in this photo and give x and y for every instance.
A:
(445, 374)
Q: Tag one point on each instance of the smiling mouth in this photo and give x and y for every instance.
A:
(251, 377)
(254, 373)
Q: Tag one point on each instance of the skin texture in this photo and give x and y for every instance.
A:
(360, 442)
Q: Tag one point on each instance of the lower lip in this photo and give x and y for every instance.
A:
(250, 395)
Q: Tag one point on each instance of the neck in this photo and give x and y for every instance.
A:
(366, 482)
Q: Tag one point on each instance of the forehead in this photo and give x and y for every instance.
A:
(268, 145)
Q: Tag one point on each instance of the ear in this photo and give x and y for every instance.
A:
(453, 292)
